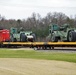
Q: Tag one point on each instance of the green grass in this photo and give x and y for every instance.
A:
(70, 57)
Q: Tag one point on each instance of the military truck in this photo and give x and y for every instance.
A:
(62, 33)
(21, 35)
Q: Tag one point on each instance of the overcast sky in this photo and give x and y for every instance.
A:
(21, 9)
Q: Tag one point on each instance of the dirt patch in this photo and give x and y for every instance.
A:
(18, 66)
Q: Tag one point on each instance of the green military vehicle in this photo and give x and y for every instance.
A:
(62, 33)
(21, 35)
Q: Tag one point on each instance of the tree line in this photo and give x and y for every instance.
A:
(37, 24)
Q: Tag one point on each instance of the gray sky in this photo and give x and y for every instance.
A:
(21, 9)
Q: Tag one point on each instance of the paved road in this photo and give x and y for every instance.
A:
(18, 66)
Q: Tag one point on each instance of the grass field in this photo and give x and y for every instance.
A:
(70, 57)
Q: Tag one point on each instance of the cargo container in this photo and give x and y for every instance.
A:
(4, 35)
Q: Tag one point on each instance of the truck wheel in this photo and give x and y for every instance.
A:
(23, 38)
(54, 39)
(34, 37)
(72, 36)
(11, 38)
(14, 40)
